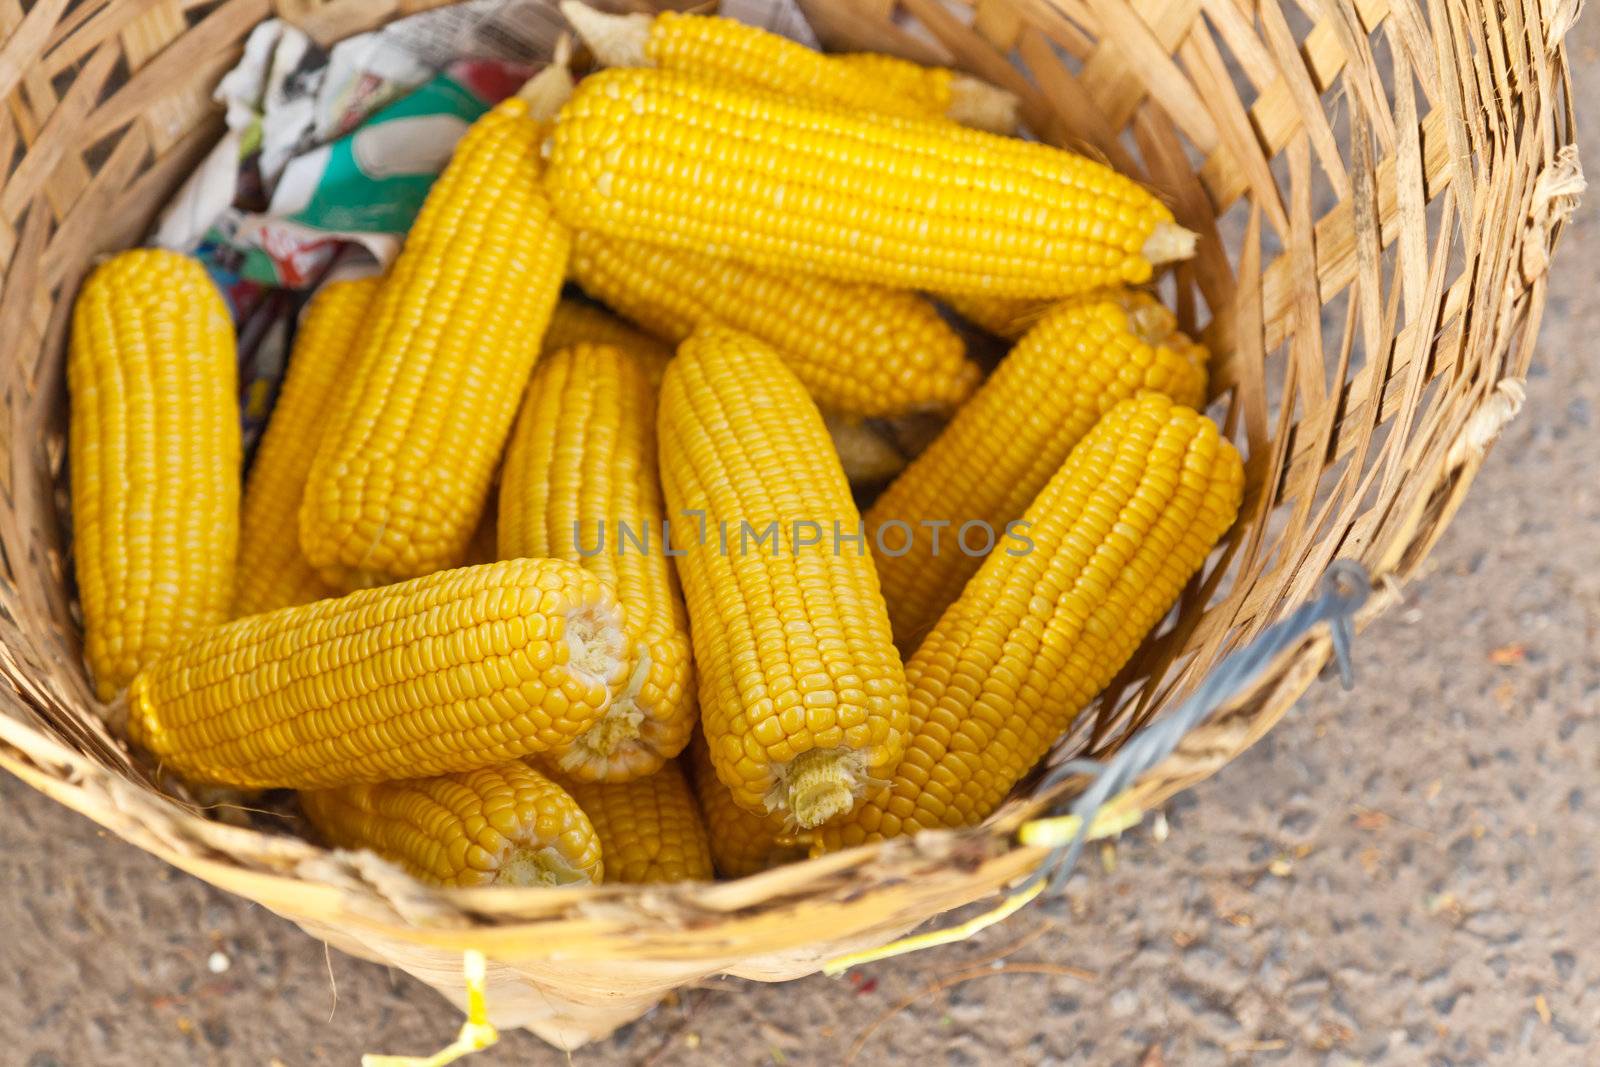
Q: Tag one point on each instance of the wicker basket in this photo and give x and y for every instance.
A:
(1378, 185)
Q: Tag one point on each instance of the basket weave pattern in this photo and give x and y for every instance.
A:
(1378, 185)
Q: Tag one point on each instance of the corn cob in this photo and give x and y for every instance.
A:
(858, 349)
(1008, 317)
(872, 451)
(649, 828)
(452, 672)
(1084, 356)
(1116, 534)
(501, 825)
(154, 456)
(670, 159)
(275, 573)
(404, 467)
(742, 842)
(747, 56)
(575, 322)
(579, 482)
(801, 691)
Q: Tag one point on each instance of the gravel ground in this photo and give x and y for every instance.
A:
(1399, 875)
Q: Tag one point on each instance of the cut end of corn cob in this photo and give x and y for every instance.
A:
(620, 726)
(597, 646)
(818, 785)
(614, 40)
(1169, 243)
(976, 103)
(526, 866)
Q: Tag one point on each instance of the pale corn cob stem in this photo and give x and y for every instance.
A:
(273, 571)
(801, 690)
(455, 671)
(1079, 359)
(976, 103)
(153, 443)
(504, 825)
(709, 46)
(649, 828)
(580, 476)
(789, 185)
(546, 91)
(1116, 534)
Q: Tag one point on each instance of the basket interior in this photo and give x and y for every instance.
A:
(1376, 184)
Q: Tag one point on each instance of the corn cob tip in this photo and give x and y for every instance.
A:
(614, 40)
(976, 103)
(819, 785)
(1151, 321)
(1168, 243)
(620, 724)
(543, 866)
(599, 644)
(547, 90)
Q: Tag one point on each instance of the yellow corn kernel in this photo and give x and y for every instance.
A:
(1083, 357)
(576, 322)
(801, 187)
(742, 842)
(1115, 536)
(802, 693)
(649, 828)
(714, 47)
(154, 454)
(403, 470)
(580, 484)
(1008, 317)
(452, 672)
(501, 825)
(858, 349)
(274, 573)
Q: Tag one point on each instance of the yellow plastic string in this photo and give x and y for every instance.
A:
(1058, 830)
(476, 1033)
(840, 964)
(1051, 832)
